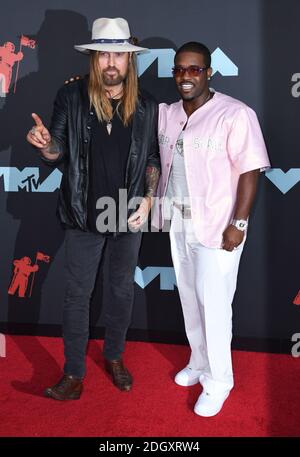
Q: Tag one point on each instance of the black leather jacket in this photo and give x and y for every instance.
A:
(71, 133)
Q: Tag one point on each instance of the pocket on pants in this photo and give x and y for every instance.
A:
(228, 261)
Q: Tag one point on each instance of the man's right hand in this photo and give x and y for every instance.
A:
(38, 136)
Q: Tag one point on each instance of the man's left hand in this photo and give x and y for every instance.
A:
(139, 217)
(232, 238)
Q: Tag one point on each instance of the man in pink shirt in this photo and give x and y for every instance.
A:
(212, 151)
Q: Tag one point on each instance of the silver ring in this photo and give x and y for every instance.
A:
(32, 131)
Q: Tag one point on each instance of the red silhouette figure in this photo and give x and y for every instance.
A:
(43, 258)
(22, 271)
(8, 58)
(297, 299)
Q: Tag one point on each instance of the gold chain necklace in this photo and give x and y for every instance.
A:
(209, 95)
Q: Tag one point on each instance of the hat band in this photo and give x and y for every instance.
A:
(107, 40)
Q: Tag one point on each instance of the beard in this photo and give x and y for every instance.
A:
(187, 97)
(194, 94)
(114, 80)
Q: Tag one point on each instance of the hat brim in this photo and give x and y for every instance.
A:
(109, 47)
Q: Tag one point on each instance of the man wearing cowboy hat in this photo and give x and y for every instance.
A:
(104, 130)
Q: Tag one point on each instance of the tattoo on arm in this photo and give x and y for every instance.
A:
(49, 149)
(152, 177)
(53, 148)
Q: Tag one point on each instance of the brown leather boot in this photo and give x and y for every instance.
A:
(68, 388)
(121, 377)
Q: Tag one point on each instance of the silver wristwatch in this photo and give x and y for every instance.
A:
(240, 224)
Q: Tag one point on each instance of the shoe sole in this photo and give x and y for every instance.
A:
(211, 414)
(124, 389)
(190, 383)
(74, 396)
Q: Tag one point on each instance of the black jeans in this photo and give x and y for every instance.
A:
(84, 251)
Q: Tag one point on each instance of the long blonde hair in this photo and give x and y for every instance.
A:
(98, 97)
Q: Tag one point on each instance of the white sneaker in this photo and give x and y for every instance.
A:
(209, 405)
(187, 377)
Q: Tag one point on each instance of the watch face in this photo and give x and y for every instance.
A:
(240, 224)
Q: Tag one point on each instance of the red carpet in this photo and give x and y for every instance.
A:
(264, 402)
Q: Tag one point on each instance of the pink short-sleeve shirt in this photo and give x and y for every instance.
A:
(222, 140)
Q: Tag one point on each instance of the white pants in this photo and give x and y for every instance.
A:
(206, 280)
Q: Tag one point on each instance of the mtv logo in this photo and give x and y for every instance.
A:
(165, 60)
(166, 274)
(283, 181)
(28, 179)
(221, 63)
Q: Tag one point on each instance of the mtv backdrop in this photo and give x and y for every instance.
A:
(254, 47)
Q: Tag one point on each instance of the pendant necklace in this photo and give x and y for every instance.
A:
(109, 122)
(209, 95)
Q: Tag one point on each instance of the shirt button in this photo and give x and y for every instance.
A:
(85, 141)
(88, 127)
(171, 146)
(168, 164)
(91, 113)
(181, 123)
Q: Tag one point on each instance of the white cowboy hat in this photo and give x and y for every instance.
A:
(111, 35)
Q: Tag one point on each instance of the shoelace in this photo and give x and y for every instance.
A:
(62, 383)
(121, 372)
